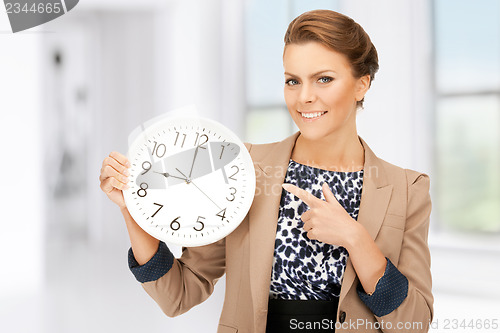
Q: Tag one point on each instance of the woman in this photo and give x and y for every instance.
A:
(342, 247)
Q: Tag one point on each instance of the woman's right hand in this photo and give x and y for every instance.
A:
(114, 177)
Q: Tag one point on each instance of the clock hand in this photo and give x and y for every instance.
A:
(194, 159)
(190, 181)
(166, 174)
(185, 178)
(205, 195)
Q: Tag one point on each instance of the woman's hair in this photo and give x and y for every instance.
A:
(339, 33)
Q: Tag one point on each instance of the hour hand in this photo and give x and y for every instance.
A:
(166, 175)
(172, 180)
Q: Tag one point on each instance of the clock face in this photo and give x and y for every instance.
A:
(192, 181)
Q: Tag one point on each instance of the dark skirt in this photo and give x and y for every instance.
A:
(301, 316)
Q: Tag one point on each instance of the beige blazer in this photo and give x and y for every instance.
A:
(395, 208)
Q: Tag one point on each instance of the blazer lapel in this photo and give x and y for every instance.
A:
(263, 220)
(375, 197)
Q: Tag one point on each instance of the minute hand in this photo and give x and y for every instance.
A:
(192, 164)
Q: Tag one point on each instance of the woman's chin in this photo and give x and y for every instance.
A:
(311, 134)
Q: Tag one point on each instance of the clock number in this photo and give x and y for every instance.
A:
(220, 157)
(202, 143)
(196, 140)
(177, 137)
(222, 214)
(161, 206)
(175, 225)
(143, 189)
(202, 224)
(146, 168)
(157, 149)
(231, 194)
(237, 170)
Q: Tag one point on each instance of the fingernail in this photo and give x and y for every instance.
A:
(126, 172)
(127, 164)
(125, 179)
(126, 187)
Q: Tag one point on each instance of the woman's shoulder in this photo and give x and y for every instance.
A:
(392, 173)
(280, 148)
(398, 174)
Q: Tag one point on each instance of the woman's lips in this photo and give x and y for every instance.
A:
(311, 115)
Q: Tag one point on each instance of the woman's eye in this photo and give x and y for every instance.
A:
(325, 79)
(291, 82)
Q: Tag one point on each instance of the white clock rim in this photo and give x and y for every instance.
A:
(193, 242)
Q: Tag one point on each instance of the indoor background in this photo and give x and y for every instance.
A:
(73, 89)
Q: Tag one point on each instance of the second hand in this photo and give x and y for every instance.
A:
(190, 181)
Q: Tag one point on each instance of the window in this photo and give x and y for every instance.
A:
(467, 128)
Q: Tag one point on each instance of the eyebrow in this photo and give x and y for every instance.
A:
(312, 75)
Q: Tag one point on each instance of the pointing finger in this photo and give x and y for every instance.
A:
(327, 192)
(305, 196)
(306, 216)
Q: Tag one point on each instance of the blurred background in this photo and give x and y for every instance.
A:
(73, 89)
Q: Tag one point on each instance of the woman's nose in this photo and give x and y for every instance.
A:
(307, 94)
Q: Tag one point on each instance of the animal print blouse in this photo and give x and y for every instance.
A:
(303, 268)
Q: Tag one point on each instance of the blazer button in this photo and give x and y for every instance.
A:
(342, 317)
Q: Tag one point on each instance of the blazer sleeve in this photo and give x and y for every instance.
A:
(191, 279)
(415, 261)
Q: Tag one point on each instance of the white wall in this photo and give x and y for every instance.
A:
(200, 59)
(21, 185)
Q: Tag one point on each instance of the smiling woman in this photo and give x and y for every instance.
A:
(329, 64)
(331, 87)
(344, 242)
(340, 34)
(322, 96)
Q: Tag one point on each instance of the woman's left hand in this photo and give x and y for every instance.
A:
(326, 220)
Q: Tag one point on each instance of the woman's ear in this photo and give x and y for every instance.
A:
(362, 87)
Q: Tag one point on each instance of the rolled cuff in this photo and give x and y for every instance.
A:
(390, 292)
(155, 268)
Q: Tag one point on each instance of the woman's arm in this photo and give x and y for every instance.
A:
(414, 259)
(144, 246)
(114, 179)
(366, 258)
(175, 284)
(403, 296)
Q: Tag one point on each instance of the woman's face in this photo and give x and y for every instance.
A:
(320, 90)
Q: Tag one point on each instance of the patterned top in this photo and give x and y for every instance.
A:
(304, 268)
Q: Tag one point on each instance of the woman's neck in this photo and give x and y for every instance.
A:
(335, 152)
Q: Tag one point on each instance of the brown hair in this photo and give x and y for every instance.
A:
(339, 33)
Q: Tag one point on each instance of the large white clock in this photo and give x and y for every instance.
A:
(192, 180)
